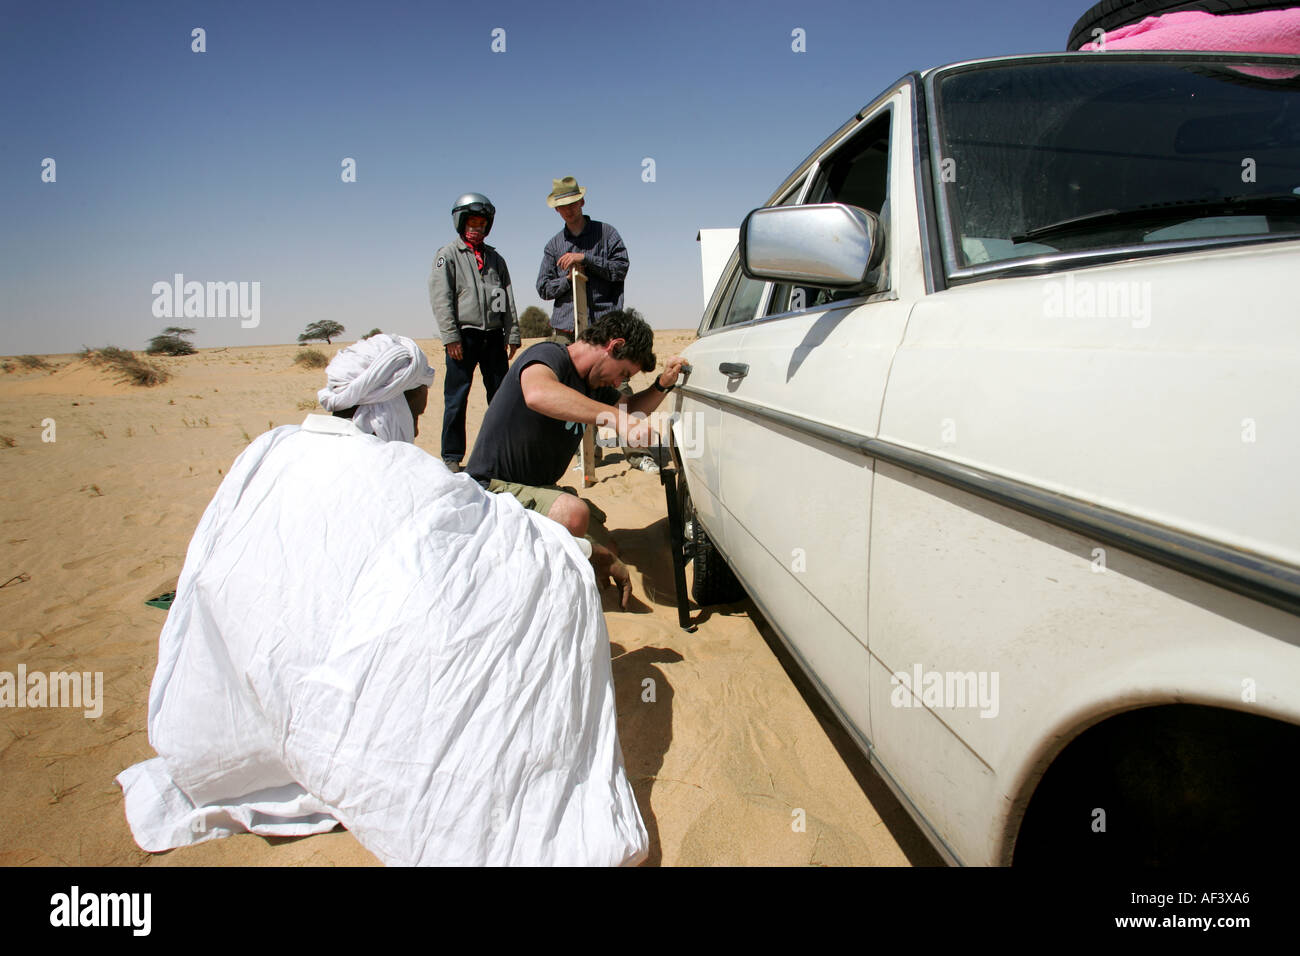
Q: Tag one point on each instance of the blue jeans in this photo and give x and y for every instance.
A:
(487, 350)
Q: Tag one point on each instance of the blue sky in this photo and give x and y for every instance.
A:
(225, 165)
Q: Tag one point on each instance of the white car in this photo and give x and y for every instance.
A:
(995, 414)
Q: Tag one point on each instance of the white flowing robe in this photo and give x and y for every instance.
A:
(360, 636)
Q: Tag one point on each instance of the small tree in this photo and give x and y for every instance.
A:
(534, 323)
(321, 329)
(371, 333)
(171, 342)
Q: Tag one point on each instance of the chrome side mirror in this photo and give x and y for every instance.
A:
(830, 245)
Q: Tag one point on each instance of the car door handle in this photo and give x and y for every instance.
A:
(734, 369)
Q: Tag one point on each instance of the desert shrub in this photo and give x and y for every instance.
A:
(372, 332)
(169, 344)
(311, 358)
(127, 365)
(534, 323)
(35, 362)
(142, 373)
(108, 355)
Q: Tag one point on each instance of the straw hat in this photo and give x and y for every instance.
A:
(565, 191)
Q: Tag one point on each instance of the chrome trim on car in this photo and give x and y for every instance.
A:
(1257, 577)
(1084, 257)
(926, 215)
(1281, 59)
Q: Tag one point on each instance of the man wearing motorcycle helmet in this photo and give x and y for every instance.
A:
(469, 290)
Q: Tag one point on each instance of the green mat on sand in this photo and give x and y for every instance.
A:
(163, 601)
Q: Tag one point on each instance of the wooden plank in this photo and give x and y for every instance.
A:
(587, 453)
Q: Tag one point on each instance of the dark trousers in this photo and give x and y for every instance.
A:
(487, 350)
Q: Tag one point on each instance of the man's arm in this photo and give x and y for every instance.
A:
(649, 398)
(552, 283)
(545, 394)
(511, 323)
(614, 264)
(442, 297)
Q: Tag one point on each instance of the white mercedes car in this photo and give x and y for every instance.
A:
(995, 414)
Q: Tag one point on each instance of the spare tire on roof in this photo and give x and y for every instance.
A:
(1113, 14)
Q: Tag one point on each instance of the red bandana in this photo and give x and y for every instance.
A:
(477, 249)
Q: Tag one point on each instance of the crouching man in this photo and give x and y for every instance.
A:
(535, 423)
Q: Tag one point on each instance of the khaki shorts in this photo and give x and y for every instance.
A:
(541, 498)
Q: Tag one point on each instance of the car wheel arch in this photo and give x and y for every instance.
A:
(1112, 743)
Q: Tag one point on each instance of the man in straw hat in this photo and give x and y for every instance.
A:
(594, 247)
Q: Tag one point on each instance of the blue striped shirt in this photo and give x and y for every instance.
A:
(604, 262)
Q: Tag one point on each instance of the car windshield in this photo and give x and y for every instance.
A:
(1096, 151)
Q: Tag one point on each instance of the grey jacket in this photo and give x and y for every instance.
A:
(464, 297)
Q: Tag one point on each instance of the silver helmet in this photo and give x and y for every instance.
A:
(472, 204)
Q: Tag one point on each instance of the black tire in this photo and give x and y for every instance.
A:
(1113, 14)
(714, 583)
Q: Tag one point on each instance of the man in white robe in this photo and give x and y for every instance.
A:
(360, 636)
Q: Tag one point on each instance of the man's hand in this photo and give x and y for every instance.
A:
(609, 568)
(648, 399)
(672, 370)
(510, 351)
(454, 351)
(639, 434)
(569, 260)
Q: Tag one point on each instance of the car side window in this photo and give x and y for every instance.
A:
(857, 174)
(744, 300)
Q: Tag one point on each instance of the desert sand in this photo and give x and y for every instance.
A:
(97, 521)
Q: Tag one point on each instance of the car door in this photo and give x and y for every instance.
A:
(700, 432)
(797, 502)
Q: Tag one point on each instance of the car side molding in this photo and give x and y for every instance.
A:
(1255, 576)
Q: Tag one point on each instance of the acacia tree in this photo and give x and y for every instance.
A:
(171, 342)
(534, 323)
(321, 329)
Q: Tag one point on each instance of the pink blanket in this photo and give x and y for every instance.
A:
(1268, 31)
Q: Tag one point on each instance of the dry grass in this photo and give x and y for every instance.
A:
(108, 355)
(128, 366)
(311, 358)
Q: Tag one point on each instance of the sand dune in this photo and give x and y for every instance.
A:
(97, 521)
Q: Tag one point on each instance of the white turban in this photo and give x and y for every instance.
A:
(371, 376)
